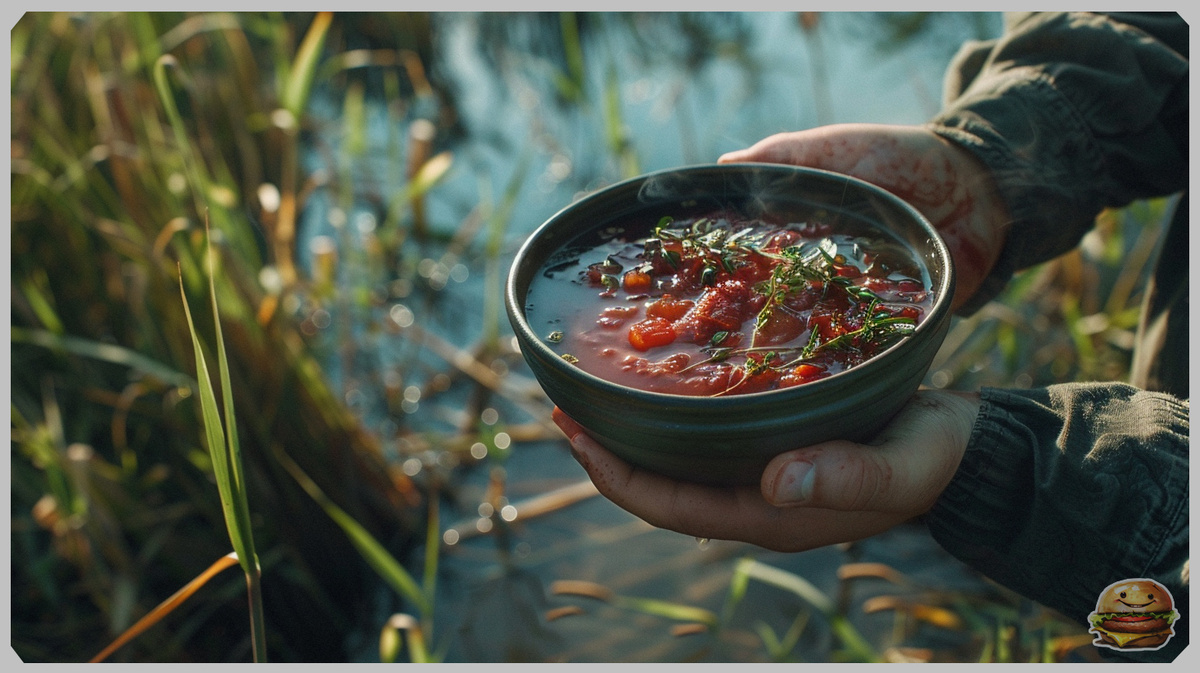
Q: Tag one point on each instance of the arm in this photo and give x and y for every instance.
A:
(1061, 491)
(1064, 490)
(1071, 113)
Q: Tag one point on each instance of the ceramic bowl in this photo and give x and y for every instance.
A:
(728, 440)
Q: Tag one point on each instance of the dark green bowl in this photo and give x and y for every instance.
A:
(729, 440)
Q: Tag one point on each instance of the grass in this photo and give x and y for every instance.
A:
(224, 449)
(148, 146)
(110, 191)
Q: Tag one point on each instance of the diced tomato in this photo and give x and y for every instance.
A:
(669, 307)
(848, 271)
(636, 281)
(801, 374)
(803, 300)
(825, 325)
(807, 371)
(691, 271)
(722, 308)
(782, 326)
(671, 364)
(755, 267)
(764, 379)
(877, 285)
(711, 380)
(650, 333)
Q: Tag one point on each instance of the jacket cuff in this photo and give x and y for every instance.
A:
(1029, 136)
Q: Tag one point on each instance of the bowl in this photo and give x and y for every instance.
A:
(728, 440)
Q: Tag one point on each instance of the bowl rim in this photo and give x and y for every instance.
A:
(937, 313)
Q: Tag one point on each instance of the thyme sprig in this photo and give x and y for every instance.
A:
(708, 238)
(879, 328)
(799, 267)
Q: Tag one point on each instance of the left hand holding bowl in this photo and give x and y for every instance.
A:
(824, 494)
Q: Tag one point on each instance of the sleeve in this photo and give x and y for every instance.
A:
(1067, 489)
(1072, 112)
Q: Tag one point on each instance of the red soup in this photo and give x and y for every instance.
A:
(723, 304)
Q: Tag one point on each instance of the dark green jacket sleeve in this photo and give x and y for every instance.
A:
(1067, 489)
(1072, 112)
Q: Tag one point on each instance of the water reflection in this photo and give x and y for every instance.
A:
(537, 109)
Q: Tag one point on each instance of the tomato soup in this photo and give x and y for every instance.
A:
(724, 304)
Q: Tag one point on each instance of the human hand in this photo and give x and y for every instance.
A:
(824, 494)
(944, 182)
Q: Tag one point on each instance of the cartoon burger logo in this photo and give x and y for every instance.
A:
(1133, 614)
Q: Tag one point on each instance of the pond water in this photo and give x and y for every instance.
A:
(650, 92)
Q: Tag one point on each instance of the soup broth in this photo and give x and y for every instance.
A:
(722, 304)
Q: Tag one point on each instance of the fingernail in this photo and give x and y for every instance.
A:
(795, 483)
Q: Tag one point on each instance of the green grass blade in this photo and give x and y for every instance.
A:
(242, 532)
(105, 352)
(193, 169)
(214, 434)
(304, 67)
(429, 174)
(670, 610)
(433, 546)
(788, 581)
(856, 646)
(227, 466)
(41, 305)
(574, 85)
(238, 484)
(386, 565)
(618, 135)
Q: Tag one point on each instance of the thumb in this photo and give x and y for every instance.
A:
(906, 468)
(836, 475)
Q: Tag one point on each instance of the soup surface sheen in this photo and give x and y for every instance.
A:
(724, 304)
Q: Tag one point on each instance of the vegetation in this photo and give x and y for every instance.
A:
(130, 133)
(154, 153)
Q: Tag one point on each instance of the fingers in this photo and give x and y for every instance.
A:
(798, 148)
(837, 147)
(689, 508)
(739, 514)
(819, 495)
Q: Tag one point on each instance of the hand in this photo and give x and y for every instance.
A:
(943, 181)
(811, 497)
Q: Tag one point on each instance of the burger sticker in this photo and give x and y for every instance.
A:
(1133, 614)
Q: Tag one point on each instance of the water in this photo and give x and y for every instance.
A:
(687, 89)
